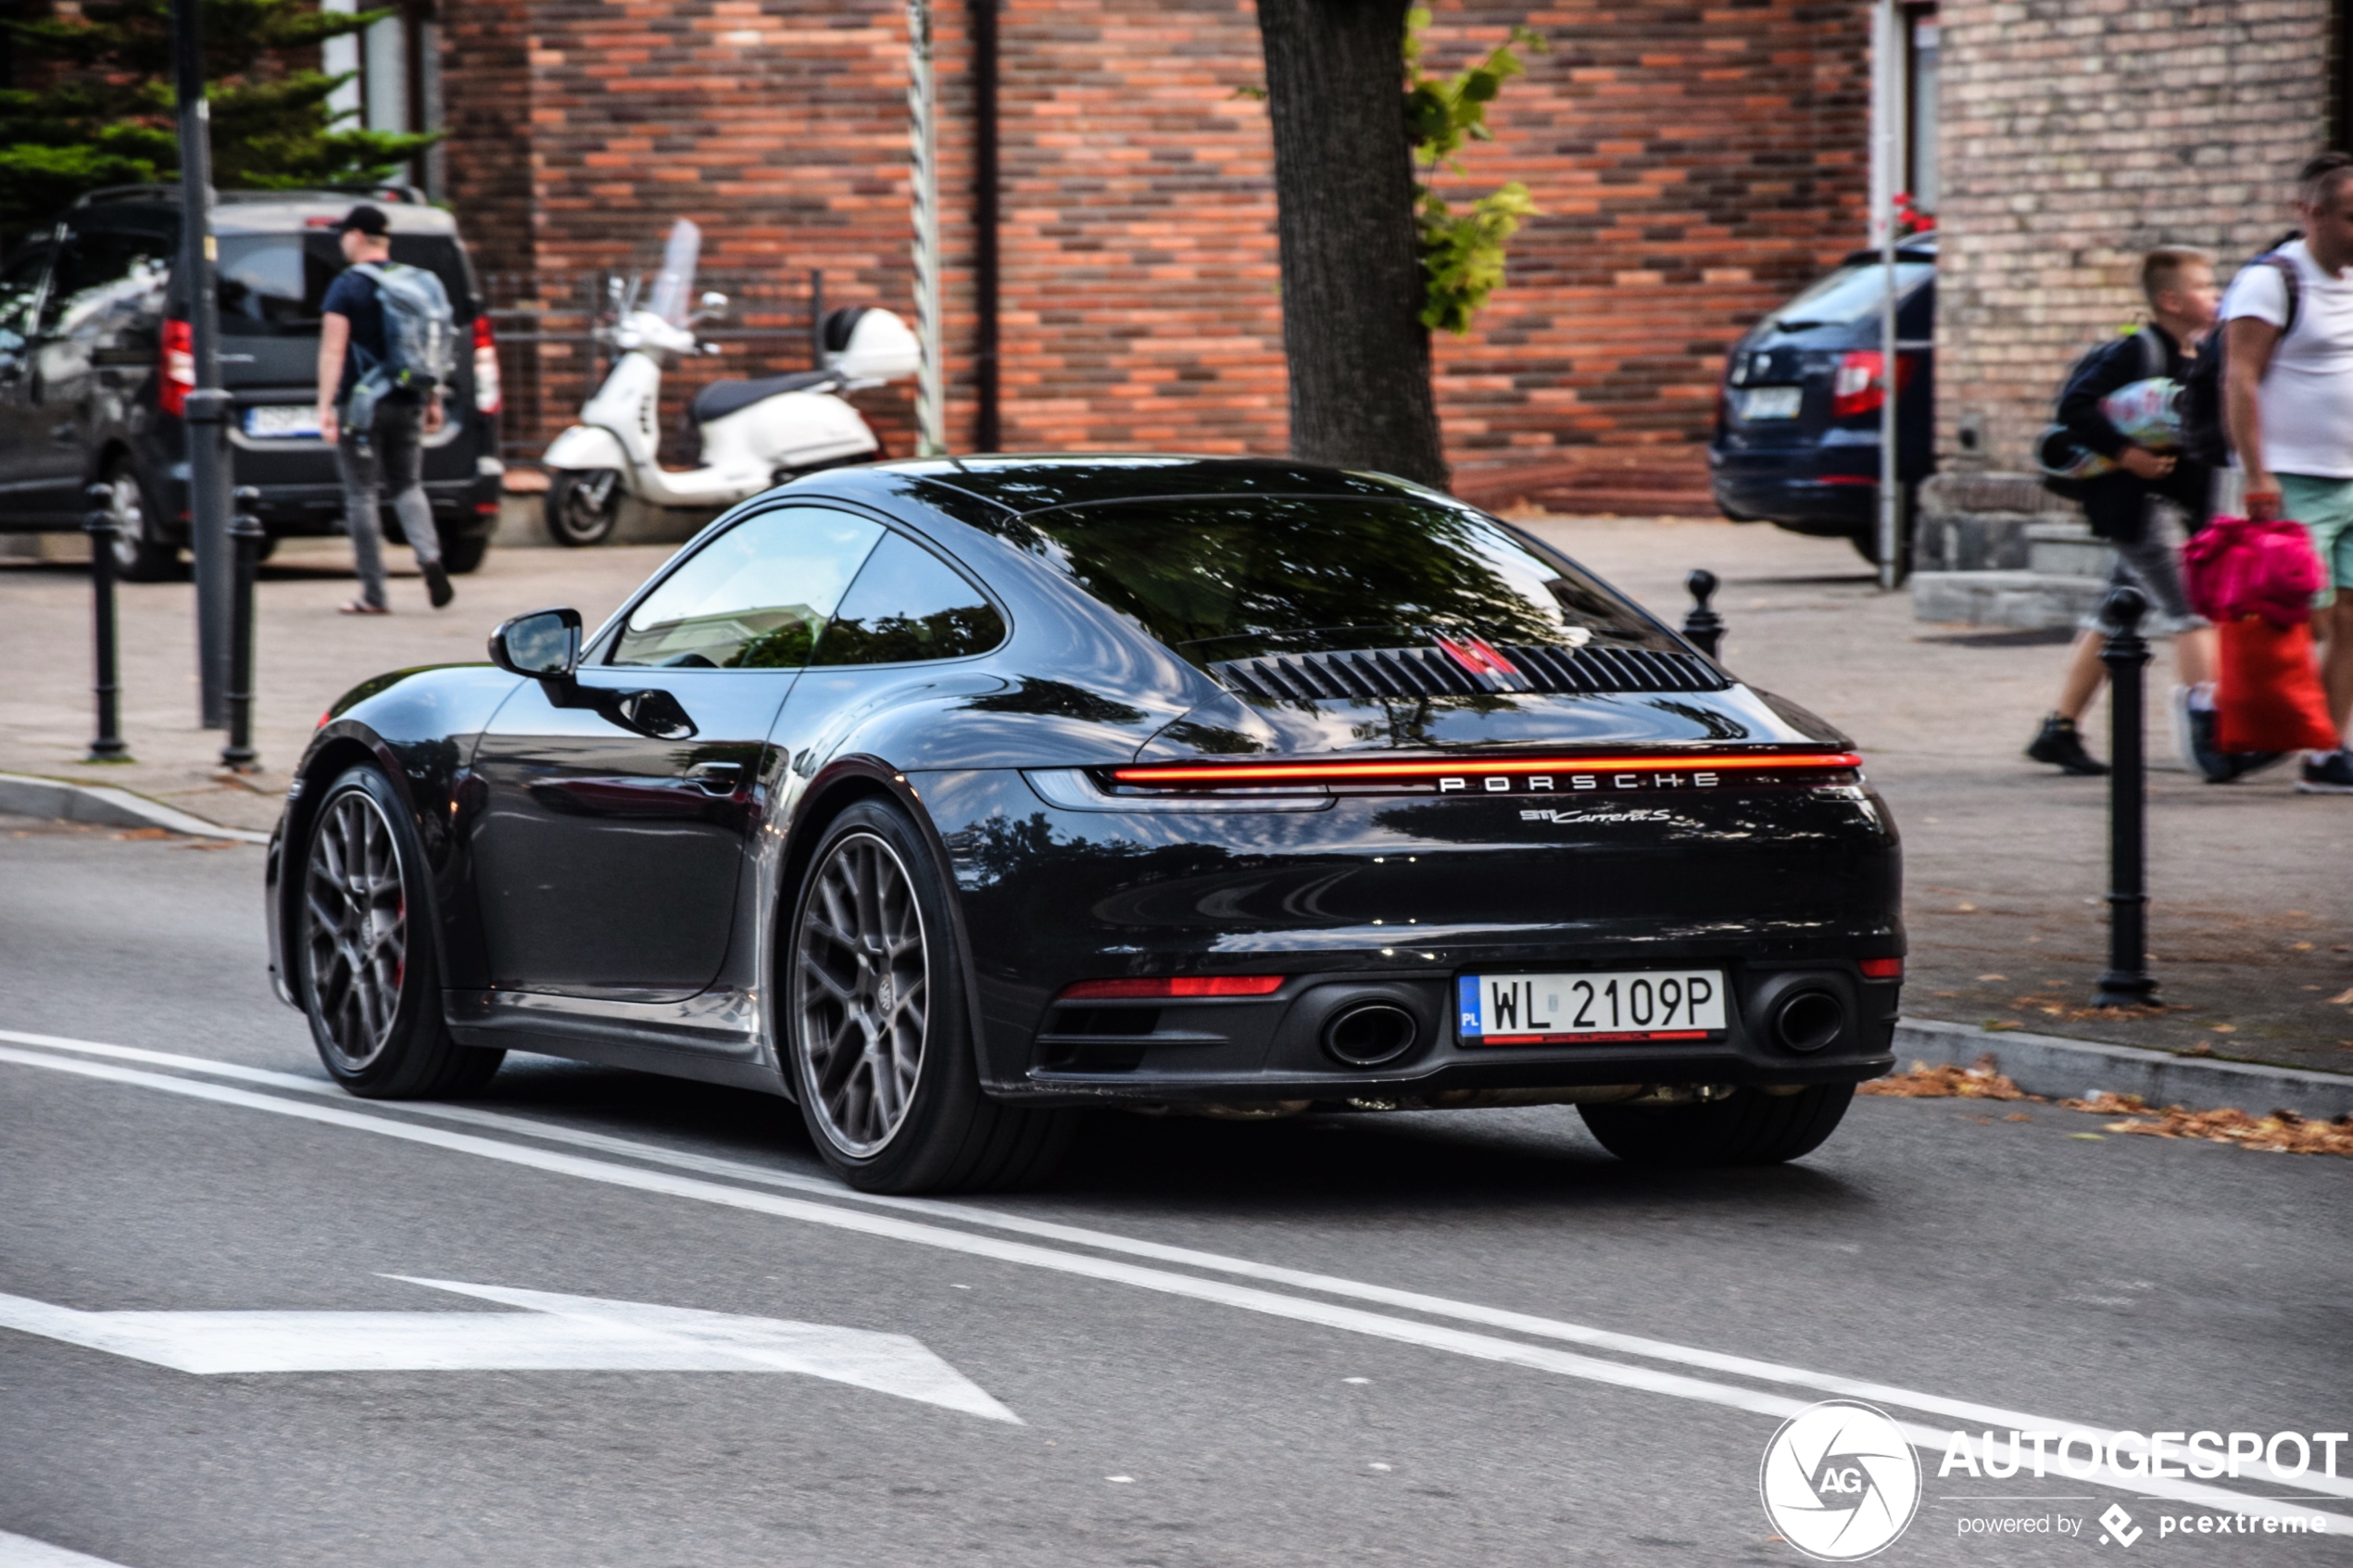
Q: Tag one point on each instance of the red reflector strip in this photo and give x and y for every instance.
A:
(1268, 772)
(1882, 969)
(1168, 987)
(1588, 1039)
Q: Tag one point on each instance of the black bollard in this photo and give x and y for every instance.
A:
(2128, 982)
(1704, 629)
(245, 536)
(99, 524)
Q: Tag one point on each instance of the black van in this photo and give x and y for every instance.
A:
(96, 362)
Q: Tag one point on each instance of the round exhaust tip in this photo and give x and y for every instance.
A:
(1370, 1034)
(1808, 1021)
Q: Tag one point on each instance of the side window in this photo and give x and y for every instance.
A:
(100, 269)
(908, 605)
(754, 598)
(19, 284)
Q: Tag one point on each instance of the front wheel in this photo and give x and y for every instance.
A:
(583, 505)
(365, 972)
(141, 552)
(877, 1024)
(1750, 1128)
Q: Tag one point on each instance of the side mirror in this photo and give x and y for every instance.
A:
(544, 645)
(714, 307)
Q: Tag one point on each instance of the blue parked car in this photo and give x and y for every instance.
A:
(1797, 418)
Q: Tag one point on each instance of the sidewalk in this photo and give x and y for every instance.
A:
(2005, 862)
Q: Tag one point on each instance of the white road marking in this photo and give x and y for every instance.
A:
(24, 1551)
(1323, 1314)
(552, 1333)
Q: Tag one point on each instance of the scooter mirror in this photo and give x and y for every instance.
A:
(714, 305)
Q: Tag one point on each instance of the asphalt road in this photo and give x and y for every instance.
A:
(1468, 1338)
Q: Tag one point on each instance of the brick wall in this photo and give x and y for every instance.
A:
(2078, 134)
(1695, 165)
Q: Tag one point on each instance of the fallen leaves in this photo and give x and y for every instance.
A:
(143, 834)
(2282, 1132)
(1947, 1082)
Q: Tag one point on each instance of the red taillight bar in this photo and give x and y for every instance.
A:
(1274, 772)
(1882, 969)
(1165, 987)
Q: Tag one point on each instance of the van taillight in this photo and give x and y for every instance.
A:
(177, 370)
(486, 388)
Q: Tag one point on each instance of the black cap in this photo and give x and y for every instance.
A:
(368, 220)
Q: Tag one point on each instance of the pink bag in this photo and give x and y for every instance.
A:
(2236, 567)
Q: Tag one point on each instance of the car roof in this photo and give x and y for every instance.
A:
(1032, 483)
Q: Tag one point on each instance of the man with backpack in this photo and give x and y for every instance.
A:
(380, 397)
(2288, 403)
(2117, 473)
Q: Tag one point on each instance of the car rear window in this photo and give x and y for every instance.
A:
(1850, 294)
(1218, 579)
(272, 285)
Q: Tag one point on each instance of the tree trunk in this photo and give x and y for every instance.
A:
(1360, 392)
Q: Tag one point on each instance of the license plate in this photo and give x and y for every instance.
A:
(1643, 1004)
(1771, 402)
(283, 422)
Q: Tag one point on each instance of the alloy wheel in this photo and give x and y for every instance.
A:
(127, 520)
(357, 930)
(862, 993)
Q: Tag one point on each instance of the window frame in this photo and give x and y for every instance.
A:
(599, 651)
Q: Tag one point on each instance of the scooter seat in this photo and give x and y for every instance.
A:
(724, 398)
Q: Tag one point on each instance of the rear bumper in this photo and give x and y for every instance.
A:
(1805, 489)
(301, 490)
(1391, 901)
(1265, 1051)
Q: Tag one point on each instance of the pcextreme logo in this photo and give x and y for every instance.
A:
(1839, 1481)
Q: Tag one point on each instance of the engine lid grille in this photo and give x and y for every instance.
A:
(1380, 674)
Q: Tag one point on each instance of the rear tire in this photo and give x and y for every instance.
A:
(141, 552)
(877, 1029)
(462, 555)
(1751, 1128)
(583, 506)
(364, 958)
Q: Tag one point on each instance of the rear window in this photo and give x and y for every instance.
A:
(272, 285)
(1218, 579)
(1850, 294)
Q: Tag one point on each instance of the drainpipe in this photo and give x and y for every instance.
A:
(987, 432)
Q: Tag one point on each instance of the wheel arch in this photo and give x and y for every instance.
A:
(340, 748)
(837, 787)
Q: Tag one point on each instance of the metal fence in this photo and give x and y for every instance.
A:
(552, 354)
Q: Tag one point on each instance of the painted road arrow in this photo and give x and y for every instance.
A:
(552, 1334)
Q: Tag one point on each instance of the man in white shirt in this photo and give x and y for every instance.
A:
(2288, 399)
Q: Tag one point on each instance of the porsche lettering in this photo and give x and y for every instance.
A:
(1556, 783)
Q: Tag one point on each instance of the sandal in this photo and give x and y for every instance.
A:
(360, 607)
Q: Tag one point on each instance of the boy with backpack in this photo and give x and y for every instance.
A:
(2287, 405)
(2116, 476)
(383, 335)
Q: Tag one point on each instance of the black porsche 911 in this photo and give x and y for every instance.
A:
(946, 797)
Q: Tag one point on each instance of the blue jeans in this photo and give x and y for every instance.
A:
(390, 457)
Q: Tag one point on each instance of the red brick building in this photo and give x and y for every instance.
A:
(1694, 163)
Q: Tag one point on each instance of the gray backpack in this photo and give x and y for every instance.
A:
(419, 335)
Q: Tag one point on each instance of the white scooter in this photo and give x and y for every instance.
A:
(755, 434)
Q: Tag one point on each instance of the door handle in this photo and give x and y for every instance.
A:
(62, 434)
(716, 778)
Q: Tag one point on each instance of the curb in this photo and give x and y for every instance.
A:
(25, 795)
(2045, 1064)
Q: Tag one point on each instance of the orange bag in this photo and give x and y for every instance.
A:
(2267, 695)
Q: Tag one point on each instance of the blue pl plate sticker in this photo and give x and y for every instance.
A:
(1466, 988)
